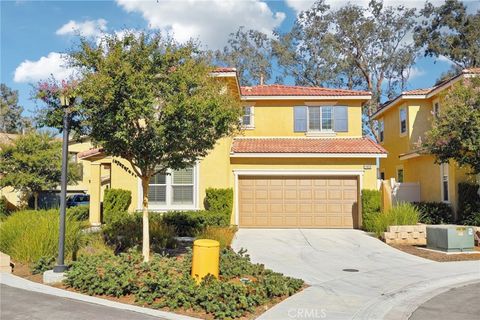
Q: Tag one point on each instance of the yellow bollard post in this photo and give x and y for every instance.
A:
(205, 258)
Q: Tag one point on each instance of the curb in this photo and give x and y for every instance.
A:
(21, 283)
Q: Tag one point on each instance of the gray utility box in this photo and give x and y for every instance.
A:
(450, 238)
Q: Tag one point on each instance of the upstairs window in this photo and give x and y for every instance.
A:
(247, 117)
(436, 110)
(403, 121)
(320, 119)
(381, 130)
(400, 175)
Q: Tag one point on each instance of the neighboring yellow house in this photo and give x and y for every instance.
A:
(300, 161)
(50, 197)
(402, 124)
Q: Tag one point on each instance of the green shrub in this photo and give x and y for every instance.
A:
(435, 212)
(115, 204)
(81, 213)
(165, 282)
(126, 232)
(401, 214)
(224, 235)
(469, 203)
(43, 264)
(219, 200)
(371, 201)
(29, 235)
(190, 223)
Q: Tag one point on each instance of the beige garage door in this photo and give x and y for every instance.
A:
(297, 202)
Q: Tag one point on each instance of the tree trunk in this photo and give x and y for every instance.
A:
(35, 200)
(146, 230)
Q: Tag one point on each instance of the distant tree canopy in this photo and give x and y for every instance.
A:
(449, 31)
(11, 119)
(250, 52)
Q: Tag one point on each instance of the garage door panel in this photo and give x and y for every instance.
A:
(295, 201)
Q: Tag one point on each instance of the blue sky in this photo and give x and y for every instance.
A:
(34, 34)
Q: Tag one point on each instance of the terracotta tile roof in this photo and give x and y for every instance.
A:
(419, 91)
(306, 145)
(224, 69)
(471, 70)
(89, 153)
(284, 90)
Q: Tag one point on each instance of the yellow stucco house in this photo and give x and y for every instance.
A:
(402, 124)
(299, 161)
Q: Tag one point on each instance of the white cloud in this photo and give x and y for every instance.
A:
(210, 21)
(300, 5)
(87, 28)
(32, 71)
(415, 73)
(445, 59)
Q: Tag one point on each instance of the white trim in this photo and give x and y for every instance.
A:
(409, 156)
(247, 98)
(235, 198)
(305, 155)
(229, 74)
(297, 172)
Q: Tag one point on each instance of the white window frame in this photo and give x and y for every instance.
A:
(397, 169)
(400, 121)
(169, 205)
(321, 120)
(251, 125)
(445, 177)
(381, 130)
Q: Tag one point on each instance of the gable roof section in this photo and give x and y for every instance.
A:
(278, 90)
(426, 92)
(300, 147)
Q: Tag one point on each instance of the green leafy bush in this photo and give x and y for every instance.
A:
(115, 204)
(371, 201)
(469, 203)
(190, 223)
(401, 214)
(29, 235)
(43, 264)
(219, 200)
(435, 212)
(224, 235)
(81, 213)
(126, 232)
(165, 282)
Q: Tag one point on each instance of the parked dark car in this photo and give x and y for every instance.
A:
(76, 200)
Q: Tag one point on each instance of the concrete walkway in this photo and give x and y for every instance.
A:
(24, 299)
(389, 284)
(456, 303)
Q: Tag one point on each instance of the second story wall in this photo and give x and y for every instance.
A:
(277, 118)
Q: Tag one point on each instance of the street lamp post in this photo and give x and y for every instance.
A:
(60, 267)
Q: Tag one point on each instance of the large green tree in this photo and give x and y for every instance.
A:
(11, 120)
(32, 163)
(455, 134)
(352, 47)
(450, 31)
(154, 103)
(250, 52)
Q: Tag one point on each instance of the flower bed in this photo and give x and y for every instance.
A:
(165, 283)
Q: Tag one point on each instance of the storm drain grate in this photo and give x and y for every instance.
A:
(350, 270)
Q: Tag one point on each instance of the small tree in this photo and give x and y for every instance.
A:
(11, 120)
(154, 103)
(455, 134)
(32, 163)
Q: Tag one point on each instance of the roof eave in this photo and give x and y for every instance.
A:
(304, 155)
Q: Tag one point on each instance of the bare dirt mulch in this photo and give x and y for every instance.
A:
(437, 256)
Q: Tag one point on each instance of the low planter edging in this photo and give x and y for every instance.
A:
(409, 234)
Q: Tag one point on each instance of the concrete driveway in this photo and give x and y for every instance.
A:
(389, 284)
